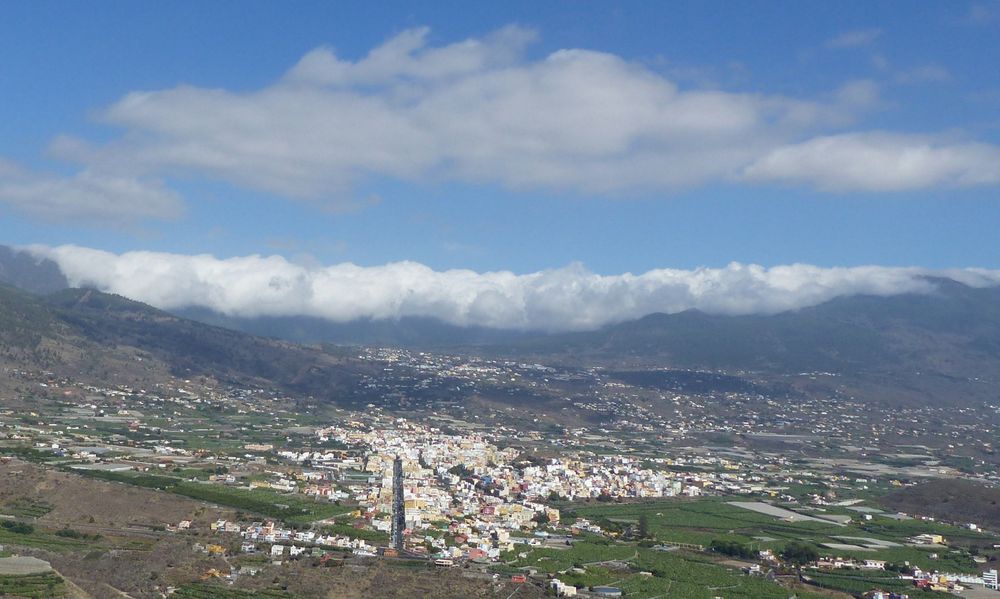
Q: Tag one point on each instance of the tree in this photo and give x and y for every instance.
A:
(644, 526)
(733, 548)
(460, 470)
(799, 553)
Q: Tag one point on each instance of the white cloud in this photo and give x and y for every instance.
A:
(928, 73)
(87, 195)
(477, 111)
(482, 111)
(854, 39)
(880, 162)
(406, 56)
(570, 298)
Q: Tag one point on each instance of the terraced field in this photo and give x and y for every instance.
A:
(39, 539)
(213, 591)
(23, 507)
(33, 586)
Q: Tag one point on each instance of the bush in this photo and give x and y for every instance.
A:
(733, 549)
(69, 533)
(21, 528)
(799, 553)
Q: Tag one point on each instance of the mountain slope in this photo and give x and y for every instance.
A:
(942, 346)
(92, 335)
(956, 329)
(952, 500)
(419, 332)
(27, 272)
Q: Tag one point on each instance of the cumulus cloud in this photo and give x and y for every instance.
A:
(564, 299)
(854, 39)
(478, 110)
(879, 161)
(87, 195)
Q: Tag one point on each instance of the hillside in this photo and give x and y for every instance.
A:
(24, 271)
(955, 329)
(952, 500)
(904, 349)
(417, 332)
(96, 336)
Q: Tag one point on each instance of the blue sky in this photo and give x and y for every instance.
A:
(518, 136)
(64, 62)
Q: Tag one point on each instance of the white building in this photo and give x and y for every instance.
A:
(990, 580)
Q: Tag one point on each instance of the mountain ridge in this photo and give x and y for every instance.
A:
(96, 336)
(918, 347)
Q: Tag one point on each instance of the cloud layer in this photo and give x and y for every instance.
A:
(475, 111)
(481, 111)
(565, 299)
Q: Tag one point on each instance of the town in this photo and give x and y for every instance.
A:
(704, 478)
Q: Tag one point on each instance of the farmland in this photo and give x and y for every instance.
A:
(38, 539)
(292, 509)
(643, 572)
(33, 586)
(700, 522)
(214, 591)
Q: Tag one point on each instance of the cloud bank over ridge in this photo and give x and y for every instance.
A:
(564, 299)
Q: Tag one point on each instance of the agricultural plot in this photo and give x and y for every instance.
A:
(33, 586)
(703, 521)
(23, 507)
(374, 536)
(212, 591)
(39, 540)
(291, 509)
(546, 559)
(861, 582)
(645, 573)
(23, 566)
(772, 510)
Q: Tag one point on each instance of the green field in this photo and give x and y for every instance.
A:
(40, 540)
(374, 536)
(33, 586)
(648, 573)
(202, 590)
(292, 509)
(861, 582)
(702, 521)
(697, 574)
(547, 559)
(699, 522)
(23, 507)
